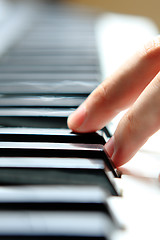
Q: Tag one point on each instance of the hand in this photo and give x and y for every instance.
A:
(136, 85)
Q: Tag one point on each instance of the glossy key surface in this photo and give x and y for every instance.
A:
(47, 87)
(25, 149)
(59, 171)
(34, 117)
(50, 135)
(53, 101)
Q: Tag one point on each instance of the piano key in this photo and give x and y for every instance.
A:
(48, 87)
(50, 68)
(58, 226)
(72, 60)
(47, 51)
(33, 112)
(44, 29)
(54, 194)
(40, 101)
(54, 77)
(107, 132)
(57, 198)
(52, 162)
(49, 63)
(61, 20)
(59, 37)
(68, 198)
(82, 33)
(78, 25)
(57, 171)
(79, 34)
(27, 149)
(49, 33)
(59, 44)
(50, 135)
(34, 117)
(87, 31)
(47, 197)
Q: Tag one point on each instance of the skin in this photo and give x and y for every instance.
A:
(136, 85)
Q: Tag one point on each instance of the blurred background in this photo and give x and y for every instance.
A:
(147, 8)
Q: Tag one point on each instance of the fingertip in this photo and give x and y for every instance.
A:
(118, 159)
(109, 146)
(77, 118)
(110, 150)
(117, 151)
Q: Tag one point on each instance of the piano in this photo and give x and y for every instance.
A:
(56, 184)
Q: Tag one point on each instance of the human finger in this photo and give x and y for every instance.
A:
(137, 125)
(118, 91)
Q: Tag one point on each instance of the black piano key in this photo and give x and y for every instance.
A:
(107, 132)
(78, 171)
(39, 122)
(50, 135)
(59, 176)
(34, 117)
(58, 226)
(21, 149)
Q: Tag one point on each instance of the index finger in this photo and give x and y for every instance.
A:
(118, 91)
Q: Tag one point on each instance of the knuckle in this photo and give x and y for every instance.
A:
(98, 97)
(101, 92)
(131, 123)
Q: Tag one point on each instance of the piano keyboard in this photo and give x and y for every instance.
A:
(54, 184)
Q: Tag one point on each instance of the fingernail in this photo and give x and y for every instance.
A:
(109, 146)
(76, 119)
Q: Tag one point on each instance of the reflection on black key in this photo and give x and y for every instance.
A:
(50, 135)
(47, 87)
(41, 101)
